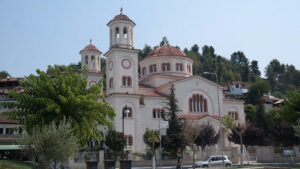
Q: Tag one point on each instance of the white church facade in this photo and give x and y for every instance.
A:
(145, 91)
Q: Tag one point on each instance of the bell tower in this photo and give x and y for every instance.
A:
(91, 63)
(122, 58)
(121, 31)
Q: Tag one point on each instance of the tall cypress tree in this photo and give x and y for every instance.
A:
(174, 140)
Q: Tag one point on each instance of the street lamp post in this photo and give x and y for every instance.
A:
(221, 132)
(124, 111)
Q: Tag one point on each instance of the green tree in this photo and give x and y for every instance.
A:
(151, 138)
(255, 92)
(250, 111)
(116, 142)
(208, 60)
(3, 74)
(273, 72)
(291, 108)
(241, 64)
(61, 94)
(174, 140)
(144, 52)
(195, 49)
(254, 71)
(197, 65)
(51, 144)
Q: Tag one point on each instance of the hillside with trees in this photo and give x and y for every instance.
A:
(280, 77)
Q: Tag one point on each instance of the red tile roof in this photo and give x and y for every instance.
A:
(120, 17)
(269, 98)
(166, 50)
(90, 47)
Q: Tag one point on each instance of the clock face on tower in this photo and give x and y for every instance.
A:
(126, 63)
(110, 65)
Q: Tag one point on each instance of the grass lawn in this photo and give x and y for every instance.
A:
(12, 164)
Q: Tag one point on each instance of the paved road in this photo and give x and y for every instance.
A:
(165, 167)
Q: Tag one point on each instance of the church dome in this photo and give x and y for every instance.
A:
(120, 17)
(90, 47)
(166, 60)
(167, 50)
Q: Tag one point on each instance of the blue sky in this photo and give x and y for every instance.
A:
(35, 33)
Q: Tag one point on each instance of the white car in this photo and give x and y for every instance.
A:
(212, 161)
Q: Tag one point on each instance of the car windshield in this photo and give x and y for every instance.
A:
(206, 159)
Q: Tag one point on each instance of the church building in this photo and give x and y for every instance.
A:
(144, 92)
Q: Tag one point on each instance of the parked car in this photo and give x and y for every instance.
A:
(214, 161)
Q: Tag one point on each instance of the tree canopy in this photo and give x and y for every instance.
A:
(291, 108)
(115, 142)
(61, 94)
(3, 74)
(207, 136)
(151, 138)
(51, 144)
(255, 92)
(251, 135)
(174, 140)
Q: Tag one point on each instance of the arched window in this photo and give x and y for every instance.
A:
(143, 70)
(111, 82)
(129, 140)
(117, 33)
(93, 62)
(179, 67)
(126, 81)
(152, 68)
(125, 32)
(86, 60)
(234, 115)
(165, 67)
(157, 113)
(197, 103)
(127, 114)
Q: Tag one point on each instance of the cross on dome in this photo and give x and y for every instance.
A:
(165, 40)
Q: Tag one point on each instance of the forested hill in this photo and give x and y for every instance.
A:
(280, 77)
